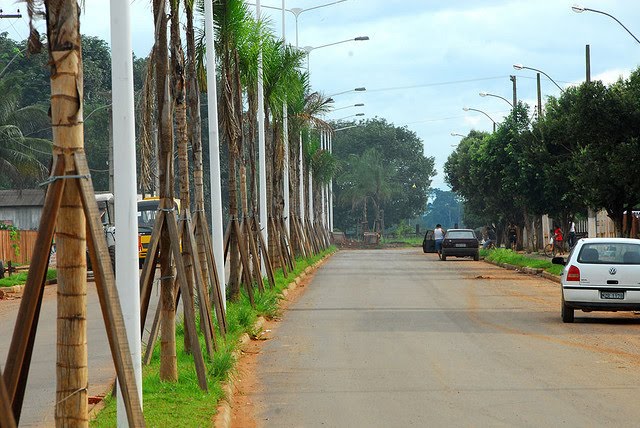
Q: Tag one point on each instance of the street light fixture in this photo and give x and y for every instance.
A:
(579, 9)
(354, 105)
(360, 89)
(347, 117)
(521, 67)
(480, 111)
(455, 134)
(297, 11)
(486, 94)
(308, 49)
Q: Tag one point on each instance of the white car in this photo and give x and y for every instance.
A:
(601, 274)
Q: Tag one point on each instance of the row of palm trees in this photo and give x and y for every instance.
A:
(173, 109)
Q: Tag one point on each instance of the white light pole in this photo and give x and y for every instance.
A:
(323, 190)
(125, 188)
(262, 157)
(214, 152)
(331, 187)
(285, 142)
(296, 13)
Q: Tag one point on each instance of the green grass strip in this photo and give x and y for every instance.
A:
(410, 241)
(502, 255)
(21, 278)
(182, 402)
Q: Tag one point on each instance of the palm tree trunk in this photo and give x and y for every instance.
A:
(168, 361)
(66, 112)
(180, 109)
(231, 130)
(194, 130)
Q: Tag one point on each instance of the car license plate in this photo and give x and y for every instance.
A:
(461, 245)
(612, 295)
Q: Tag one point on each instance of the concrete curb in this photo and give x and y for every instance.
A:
(223, 414)
(529, 271)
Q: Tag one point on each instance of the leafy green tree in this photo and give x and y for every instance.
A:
(405, 178)
(445, 209)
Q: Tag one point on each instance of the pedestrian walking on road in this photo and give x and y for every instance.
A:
(571, 238)
(512, 231)
(558, 240)
(438, 235)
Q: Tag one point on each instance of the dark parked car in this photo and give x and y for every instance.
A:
(460, 243)
(429, 242)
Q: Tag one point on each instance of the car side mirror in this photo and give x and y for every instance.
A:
(558, 261)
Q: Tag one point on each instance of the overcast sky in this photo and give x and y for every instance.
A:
(427, 59)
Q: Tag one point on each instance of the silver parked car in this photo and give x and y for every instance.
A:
(601, 274)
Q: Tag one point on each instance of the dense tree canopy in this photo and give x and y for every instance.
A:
(584, 152)
(396, 181)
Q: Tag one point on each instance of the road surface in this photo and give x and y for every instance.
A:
(396, 338)
(39, 402)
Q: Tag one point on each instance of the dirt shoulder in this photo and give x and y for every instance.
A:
(246, 383)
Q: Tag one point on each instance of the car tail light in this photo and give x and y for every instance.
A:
(573, 274)
(139, 243)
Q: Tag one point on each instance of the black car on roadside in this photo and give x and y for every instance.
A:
(460, 243)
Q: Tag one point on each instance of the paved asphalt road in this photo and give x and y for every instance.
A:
(39, 402)
(396, 338)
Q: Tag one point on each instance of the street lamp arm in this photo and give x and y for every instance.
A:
(356, 39)
(579, 9)
(322, 5)
(346, 127)
(479, 111)
(486, 94)
(520, 67)
(361, 89)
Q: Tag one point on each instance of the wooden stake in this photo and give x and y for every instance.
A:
(189, 315)
(278, 244)
(206, 324)
(215, 281)
(245, 260)
(149, 268)
(21, 348)
(265, 253)
(6, 414)
(108, 296)
(253, 249)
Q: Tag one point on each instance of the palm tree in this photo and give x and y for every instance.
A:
(23, 159)
(231, 18)
(368, 180)
(168, 361)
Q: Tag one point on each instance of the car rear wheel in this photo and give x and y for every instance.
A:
(443, 257)
(476, 256)
(567, 312)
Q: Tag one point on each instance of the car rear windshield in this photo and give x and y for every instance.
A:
(460, 234)
(609, 252)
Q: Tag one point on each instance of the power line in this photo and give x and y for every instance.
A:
(426, 85)
(451, 82)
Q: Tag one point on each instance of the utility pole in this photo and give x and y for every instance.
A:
(588, 60)
(515, 95)
(539, 96)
